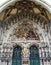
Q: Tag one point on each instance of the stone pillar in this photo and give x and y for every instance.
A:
(45, 62)
(10, 63)
(40, 62)
(3, 63)
(50, 62)
(40, 55)
(25, 56)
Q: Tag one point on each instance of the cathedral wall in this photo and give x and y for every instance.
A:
(44, 46)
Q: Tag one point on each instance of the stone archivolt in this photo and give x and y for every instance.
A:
(28, 24)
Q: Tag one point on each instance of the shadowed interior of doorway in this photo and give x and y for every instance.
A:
(16, 59)
(34, 56)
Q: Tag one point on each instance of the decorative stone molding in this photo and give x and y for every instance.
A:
(45, 4)
(39, 22)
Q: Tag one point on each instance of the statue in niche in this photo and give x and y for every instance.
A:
(25, 52)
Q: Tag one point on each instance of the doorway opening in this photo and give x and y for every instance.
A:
(16, 58)
(34, 55)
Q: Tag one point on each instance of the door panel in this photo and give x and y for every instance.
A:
(34, 56)
(16, 59)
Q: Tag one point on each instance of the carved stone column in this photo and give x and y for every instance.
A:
(25, 56)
